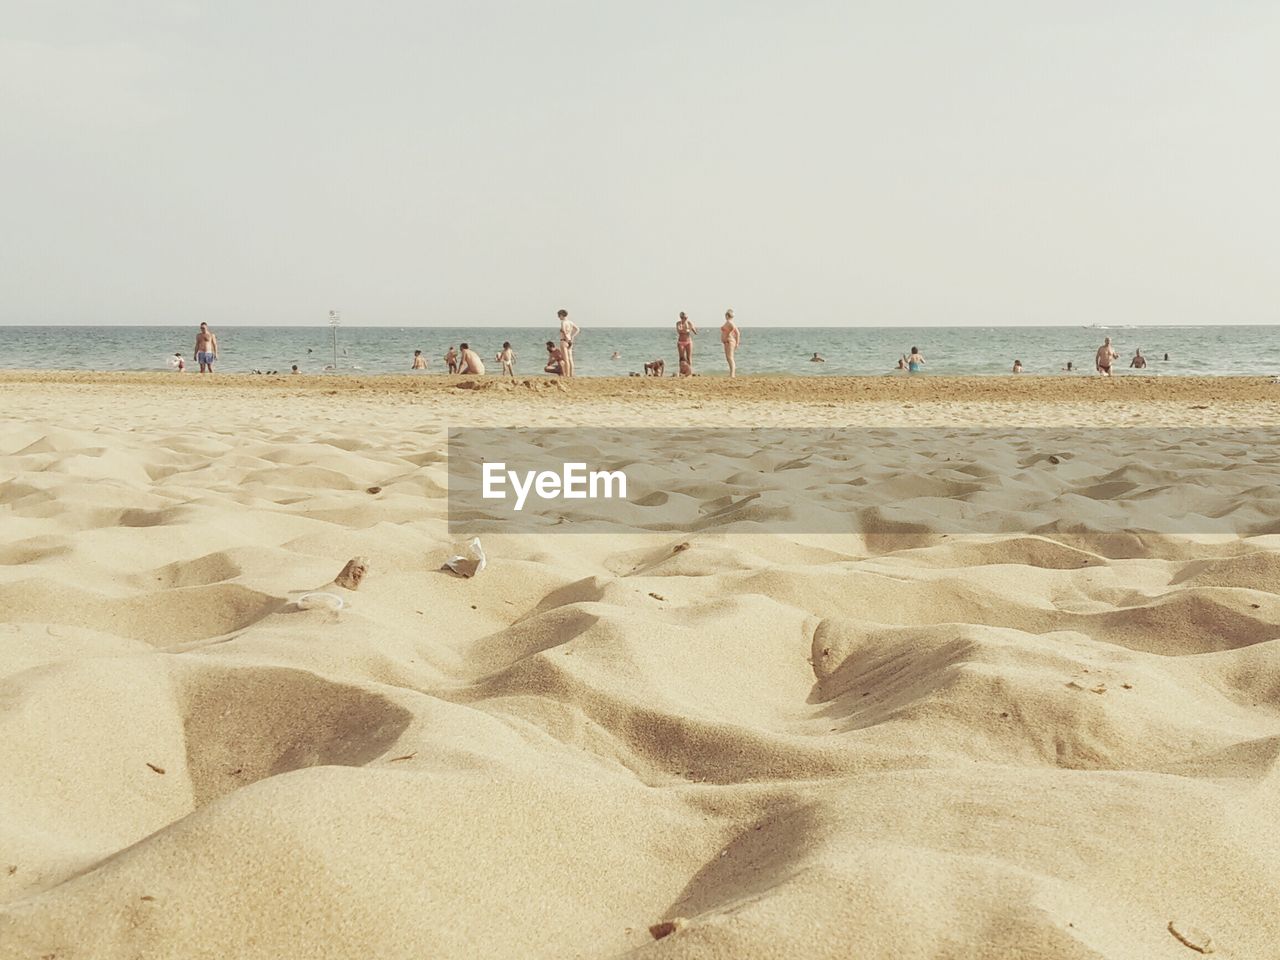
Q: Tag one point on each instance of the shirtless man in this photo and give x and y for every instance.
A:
(451, 360)
(1139, 362)
(206, 349)
(555, 359)
(419, 361)
(730, 336)
(685, 332)
(568, 333)
(471, 362)
(1106, 354)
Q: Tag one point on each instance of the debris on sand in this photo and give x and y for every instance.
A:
(468, 566)
(1192, 937)
(353, 573)
(666, 927)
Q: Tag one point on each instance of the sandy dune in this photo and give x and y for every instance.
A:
(992, 742)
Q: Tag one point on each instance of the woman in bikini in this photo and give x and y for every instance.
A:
(685, 332)
(730, 336)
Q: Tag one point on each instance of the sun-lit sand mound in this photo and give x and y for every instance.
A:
(1039, 742)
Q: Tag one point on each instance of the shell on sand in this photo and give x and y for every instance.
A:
(353, 573)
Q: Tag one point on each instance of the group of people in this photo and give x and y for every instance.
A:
(686, 330)
(1106, 356)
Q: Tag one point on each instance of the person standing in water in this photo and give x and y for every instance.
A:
(1106, 354)
(1139, 362)
(419, 361)
(568, 333)
(507, 358)
(915, 360)
(451, 360)
(1017, 366)
(206, 349)
(685, 332)
(730, 336)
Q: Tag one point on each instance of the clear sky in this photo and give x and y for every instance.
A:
(483, 162)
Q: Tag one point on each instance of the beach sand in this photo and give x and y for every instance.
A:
(996, 744)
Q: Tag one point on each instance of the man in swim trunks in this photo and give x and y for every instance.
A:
(1139, 362)
(1106, 354)
(206, 349)
(685, 332)
(568, 333)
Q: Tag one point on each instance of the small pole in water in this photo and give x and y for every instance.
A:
(334, 320)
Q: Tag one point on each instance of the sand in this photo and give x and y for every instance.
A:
(993, 744)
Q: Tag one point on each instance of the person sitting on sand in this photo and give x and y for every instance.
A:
(555, 360)
(568, 334)
(471, 362)
(685, 332)
(206, 348)
(451, 360)
(419, 361)
(507, 358)
(731, 337)
(655, 368)
(1139, 362)
(915, 360)
(1017, 366)
(817, 358)
(1106, 354)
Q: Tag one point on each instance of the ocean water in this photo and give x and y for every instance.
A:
(1214, 350)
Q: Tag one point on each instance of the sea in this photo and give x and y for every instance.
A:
(1200, 350)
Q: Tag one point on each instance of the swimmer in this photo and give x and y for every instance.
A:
(1017, 366)
(816, 358)
(1106, 354)
(915, 360)
(294, 370)
(1139, 362)
(615, 356)
(731, 337)
(419, 361)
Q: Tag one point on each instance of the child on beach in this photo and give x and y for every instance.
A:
(419, 361)
(451, 360)
(178, 363)
(507, 358)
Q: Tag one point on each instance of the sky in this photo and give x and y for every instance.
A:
(806, 163)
